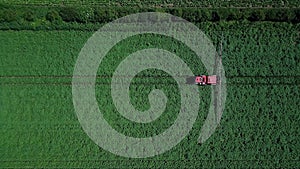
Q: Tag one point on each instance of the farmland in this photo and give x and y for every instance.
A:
(259, 127)
(40, 127)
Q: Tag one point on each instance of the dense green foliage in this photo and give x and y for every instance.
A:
(70, 17)
(160, 3)
(259, 128)
(261, 46)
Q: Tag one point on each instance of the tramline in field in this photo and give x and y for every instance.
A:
(203, 80)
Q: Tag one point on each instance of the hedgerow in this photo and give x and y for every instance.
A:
(53, 16)
(161, 3)
(31, 15)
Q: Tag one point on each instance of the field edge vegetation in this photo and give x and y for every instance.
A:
(14, 17)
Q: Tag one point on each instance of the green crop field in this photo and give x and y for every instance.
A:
(259, 127)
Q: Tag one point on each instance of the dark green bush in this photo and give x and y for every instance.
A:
(215, 16)
(296, 18)
(29, 16)
(203, 15)
(257, 15)
(124, 12)
(271, 15)
(190, 14)
(69, 14)
(233, 14)
(223, 13)
(277, 15)
(111, 14)
(14, 25)
(8, 15)
(175, 11)
(282, 16)
(53, 16)
(85, 14)
(1, 16)
(104, 15)
(99, 15)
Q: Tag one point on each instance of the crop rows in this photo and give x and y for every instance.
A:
(259, 128)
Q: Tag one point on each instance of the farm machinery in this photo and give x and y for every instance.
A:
(216, 79)
(203, 80)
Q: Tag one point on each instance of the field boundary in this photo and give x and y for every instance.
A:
(41, 17)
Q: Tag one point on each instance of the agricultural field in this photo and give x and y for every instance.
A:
(259, 127)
